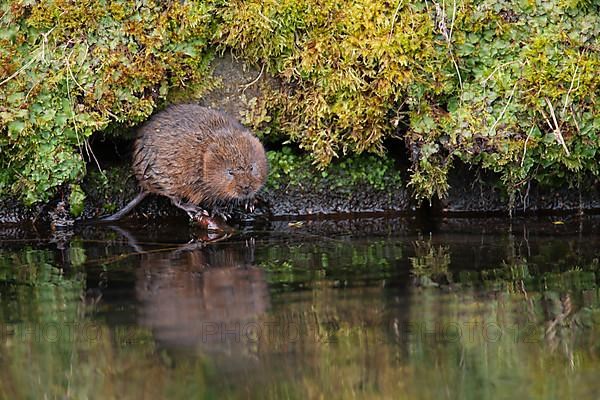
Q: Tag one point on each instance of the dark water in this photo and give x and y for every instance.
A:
(368, 308)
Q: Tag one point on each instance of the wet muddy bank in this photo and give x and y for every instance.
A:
(470, 195)
(477, 192)
(177, 228)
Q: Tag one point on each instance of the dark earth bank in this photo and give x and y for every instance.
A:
(471, 194)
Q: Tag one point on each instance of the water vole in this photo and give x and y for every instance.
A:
(198, 157)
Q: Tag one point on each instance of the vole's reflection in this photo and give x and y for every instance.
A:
(202, 295)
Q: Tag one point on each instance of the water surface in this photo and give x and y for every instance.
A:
(365, 308)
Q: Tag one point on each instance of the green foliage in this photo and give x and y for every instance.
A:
(69, 69)
(76, 200)
(345, 66)
(508, 86)
(100, 186)
(289, 168)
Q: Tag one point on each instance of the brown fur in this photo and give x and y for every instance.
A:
(192, 153)
(189, 151)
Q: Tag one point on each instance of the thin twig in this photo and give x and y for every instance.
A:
(255, 80)
(45, 41)
(443, 28)
(23, 68)
(504, 109)
(453, 18)
(569, 91)
(444, 19)
(33, 86)
(547, 120)
(4, 15)
(33, 59)
(460, 82)
(557, 132)
(75, 80)
(270, 21)
(86, 145)
(394, 20)
(90, 151)
(73, 110)
(525, 146)
(496, 70)
(71, 71)
(575, 119)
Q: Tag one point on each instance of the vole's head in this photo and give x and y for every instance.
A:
(235, 166)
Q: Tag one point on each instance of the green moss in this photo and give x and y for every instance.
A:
(510, 87)
(76, 200)
(288, 168)
(68, 69)
(344, 68)
(111, 188)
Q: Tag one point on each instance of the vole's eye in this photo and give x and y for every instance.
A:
(252, 168)
(229, 172)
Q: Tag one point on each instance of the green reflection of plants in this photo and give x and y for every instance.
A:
(540, 344)
(35, 289)
(51, 349)
(430, 263)
(431, 266)
(520, 274)
(337, 259)
(515, 330)
(447, 345)
(96, 363)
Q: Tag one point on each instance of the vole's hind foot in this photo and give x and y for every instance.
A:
(209, 223)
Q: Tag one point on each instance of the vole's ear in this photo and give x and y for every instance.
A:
(258, 148)
(212, 153)
(261, 157)
(211, 148)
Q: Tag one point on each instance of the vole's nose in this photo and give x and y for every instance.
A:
(246, 190)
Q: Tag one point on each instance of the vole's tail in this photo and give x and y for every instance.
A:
(125, 210)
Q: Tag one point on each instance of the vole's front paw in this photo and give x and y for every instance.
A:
(250, 205)
(223, 213)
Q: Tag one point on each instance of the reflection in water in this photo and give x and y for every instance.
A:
(207, 297)
(200, 294)
(460, 313)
